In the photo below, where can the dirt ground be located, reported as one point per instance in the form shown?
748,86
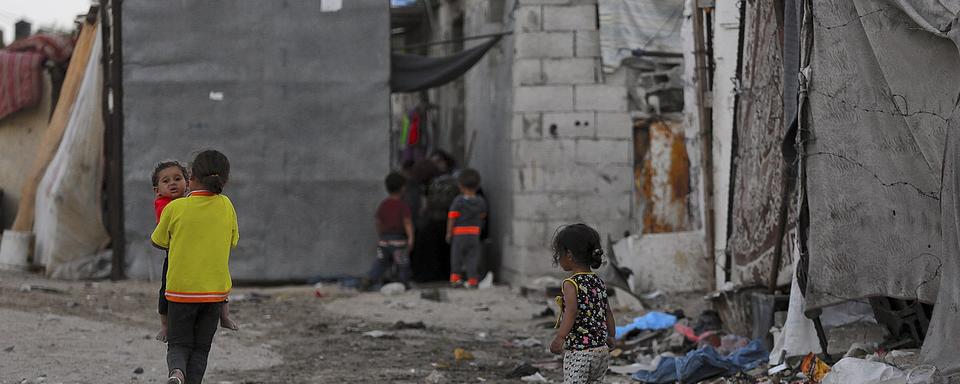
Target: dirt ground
82,332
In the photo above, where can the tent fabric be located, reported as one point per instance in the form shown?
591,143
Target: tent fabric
758,179
21,70
648,25
21,81
881,179
69,218
411,73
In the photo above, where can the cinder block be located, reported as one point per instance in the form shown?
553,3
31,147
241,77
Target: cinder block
604,151
528,233
587,44
557,152
608,214
540,45
528,72
616,179
570,71
569,18
530,18
544,206
565,178
569,125
527,126
612,98
614,125
543,98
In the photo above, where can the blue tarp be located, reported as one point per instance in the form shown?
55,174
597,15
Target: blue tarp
650,321
705,363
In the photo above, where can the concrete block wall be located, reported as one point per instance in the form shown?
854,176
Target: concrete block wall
571,135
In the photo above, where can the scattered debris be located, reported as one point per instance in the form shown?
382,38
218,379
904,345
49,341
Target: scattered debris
252,297
705,363
393,289
534,378
435,377
8,349
378,334
529,342
650,321
522,370
138,371
778,369
814,368
404,325
461,354
434,294
627,369
487,281
39,288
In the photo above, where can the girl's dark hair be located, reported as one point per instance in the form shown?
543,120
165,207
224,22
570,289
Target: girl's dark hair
583,243
212,169
155,177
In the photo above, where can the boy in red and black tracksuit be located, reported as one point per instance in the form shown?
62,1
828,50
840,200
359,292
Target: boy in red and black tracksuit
465,219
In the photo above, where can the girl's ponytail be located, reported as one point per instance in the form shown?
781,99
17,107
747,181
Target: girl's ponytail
212,169
213,183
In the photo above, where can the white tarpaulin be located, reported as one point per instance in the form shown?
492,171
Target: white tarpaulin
69,218
881,158
650,25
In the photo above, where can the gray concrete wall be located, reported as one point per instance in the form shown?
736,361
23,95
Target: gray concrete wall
304,120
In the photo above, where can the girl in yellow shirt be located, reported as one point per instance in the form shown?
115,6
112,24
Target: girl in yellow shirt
199,231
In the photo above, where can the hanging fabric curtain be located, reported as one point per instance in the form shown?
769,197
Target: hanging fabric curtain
411,73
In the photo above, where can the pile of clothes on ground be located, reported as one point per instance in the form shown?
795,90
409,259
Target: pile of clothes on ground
661,348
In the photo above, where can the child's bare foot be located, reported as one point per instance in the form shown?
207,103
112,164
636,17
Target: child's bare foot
225,322
162,335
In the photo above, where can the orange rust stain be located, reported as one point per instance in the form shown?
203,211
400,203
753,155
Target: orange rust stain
679,174
678,177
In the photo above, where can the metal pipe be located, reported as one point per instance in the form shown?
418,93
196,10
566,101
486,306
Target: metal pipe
451,41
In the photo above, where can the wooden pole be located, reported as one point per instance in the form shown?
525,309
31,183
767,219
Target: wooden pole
114,144
706,136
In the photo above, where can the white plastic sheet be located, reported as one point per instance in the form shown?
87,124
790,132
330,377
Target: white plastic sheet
69,218
652,25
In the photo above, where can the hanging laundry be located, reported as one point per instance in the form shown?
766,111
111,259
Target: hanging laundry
414,133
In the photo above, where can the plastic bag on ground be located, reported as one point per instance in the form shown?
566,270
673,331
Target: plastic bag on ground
852,371
650,321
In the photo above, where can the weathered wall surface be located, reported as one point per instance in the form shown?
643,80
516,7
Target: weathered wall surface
489,91
20,133
303,117
571,134
670,262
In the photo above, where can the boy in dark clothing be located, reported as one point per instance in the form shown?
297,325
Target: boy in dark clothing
395,228
465,219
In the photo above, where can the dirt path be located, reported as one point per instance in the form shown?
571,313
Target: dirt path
75,332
